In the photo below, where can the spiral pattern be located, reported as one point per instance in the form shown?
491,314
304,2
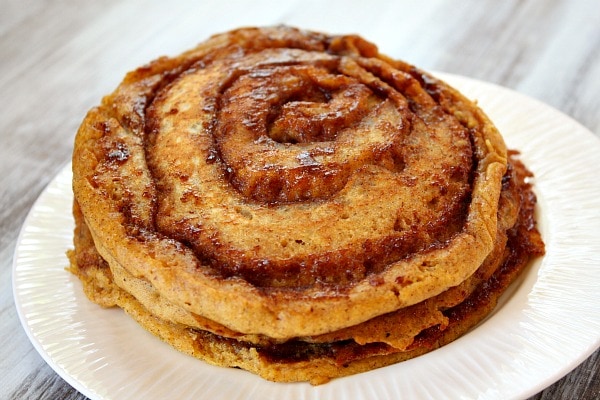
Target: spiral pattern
289,136
291,163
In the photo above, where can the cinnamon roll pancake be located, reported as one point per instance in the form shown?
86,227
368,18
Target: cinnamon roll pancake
297,204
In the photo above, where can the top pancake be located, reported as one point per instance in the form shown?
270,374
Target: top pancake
289,183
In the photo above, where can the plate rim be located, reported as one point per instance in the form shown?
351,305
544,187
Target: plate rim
454,80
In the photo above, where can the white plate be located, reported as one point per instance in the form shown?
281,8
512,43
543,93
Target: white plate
543,328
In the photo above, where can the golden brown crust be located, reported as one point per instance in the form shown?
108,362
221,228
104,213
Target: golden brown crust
167,198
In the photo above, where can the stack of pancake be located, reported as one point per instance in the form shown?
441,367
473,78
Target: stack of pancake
297,204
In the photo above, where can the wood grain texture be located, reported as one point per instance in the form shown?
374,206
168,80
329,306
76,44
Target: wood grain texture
59,57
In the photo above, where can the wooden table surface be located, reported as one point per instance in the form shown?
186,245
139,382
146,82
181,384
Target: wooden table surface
58,58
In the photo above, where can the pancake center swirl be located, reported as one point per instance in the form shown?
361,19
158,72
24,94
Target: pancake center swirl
289,133
293,168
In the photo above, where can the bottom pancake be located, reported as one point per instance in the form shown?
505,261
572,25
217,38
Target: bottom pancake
336,354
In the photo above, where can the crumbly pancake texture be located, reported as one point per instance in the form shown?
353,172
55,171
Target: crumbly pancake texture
296,204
